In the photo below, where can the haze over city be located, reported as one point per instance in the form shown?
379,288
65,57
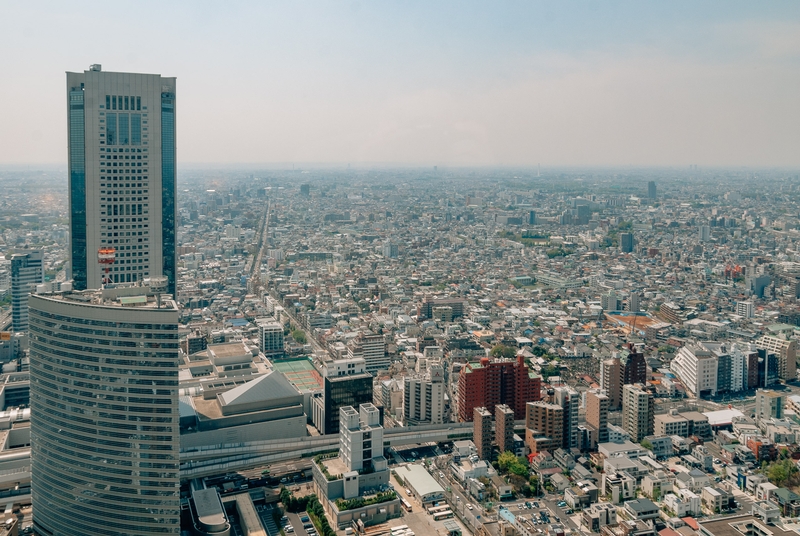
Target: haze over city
400,269
417,83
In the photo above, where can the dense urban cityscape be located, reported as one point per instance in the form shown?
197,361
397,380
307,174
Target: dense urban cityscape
400,268
404,350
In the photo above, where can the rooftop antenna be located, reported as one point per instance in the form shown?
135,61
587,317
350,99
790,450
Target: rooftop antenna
158,285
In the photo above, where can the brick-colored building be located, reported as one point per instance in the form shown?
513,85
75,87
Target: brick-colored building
489,383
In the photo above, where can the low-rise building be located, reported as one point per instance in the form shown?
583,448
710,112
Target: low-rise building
599,515
642,509
618,487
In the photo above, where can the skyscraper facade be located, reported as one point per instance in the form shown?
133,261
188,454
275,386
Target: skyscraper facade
121,131
651,189
626,242
26,272
105,440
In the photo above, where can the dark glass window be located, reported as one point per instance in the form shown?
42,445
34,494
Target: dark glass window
168,187
113,102
111,129
77,186
138,103
124,133
108,102
136,129
126,102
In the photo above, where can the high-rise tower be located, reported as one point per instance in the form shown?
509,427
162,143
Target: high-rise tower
121,129
105,440
26,272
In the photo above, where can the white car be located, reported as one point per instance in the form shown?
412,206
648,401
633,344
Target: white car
288,528
469,506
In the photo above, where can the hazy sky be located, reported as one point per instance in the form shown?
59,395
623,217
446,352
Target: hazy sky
424,83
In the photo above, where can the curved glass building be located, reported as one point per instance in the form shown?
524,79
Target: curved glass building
105,436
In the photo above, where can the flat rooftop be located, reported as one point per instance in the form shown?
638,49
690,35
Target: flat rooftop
300,372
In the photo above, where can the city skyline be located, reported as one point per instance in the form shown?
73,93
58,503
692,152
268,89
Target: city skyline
448,85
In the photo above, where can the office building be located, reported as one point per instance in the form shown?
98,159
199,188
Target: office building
633,302
504,427
544,427
704,233
626,242
569,400
270,337
425,309
482,432
372,347
347,383
745,309
597,404
611,376
696,367
635,367
26,272
609,301
638,412
488,383
768,366
423,397
104,412
390,250
121,132
532,217
769,404
651,189
359,471
786,352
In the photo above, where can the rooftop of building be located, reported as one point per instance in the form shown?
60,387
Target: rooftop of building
135,296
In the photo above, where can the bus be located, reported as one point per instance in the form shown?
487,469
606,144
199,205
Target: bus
447,514
406,505
436,509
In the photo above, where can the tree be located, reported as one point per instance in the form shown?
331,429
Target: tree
647,445
502,350
299,336
506,459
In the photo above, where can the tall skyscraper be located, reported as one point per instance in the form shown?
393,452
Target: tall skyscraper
105,440
651,189
121,130
626,242
26,272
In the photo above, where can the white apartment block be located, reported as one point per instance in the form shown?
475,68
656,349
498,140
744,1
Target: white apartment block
270,337
697,369
423,398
